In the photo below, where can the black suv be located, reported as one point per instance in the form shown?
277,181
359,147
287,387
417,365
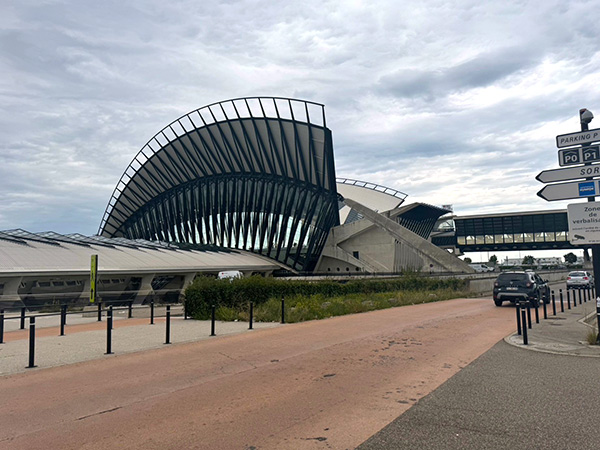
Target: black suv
519,285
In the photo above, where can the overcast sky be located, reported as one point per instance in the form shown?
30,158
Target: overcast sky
451,102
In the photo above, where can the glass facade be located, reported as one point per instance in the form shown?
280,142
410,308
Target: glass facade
528,231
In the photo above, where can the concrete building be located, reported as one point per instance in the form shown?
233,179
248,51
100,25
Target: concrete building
247,184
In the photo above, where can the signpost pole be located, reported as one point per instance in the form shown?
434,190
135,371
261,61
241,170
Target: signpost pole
585,119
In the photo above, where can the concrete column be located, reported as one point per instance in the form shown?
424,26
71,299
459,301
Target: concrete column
10,297
188,278
145,289
85,293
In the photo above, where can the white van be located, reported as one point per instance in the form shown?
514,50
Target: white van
481,268
230,275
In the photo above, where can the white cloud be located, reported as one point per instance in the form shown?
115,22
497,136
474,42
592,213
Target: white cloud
448,101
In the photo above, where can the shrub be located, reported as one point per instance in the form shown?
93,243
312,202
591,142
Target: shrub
236,294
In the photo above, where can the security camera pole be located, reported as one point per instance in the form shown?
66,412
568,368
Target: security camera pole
585,117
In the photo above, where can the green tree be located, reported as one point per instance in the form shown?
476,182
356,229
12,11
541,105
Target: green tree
570,258
493,260
528,260
468,260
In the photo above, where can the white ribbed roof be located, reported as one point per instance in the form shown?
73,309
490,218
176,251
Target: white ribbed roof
29,253
378,198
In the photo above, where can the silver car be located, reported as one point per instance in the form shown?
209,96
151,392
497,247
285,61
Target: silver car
579,279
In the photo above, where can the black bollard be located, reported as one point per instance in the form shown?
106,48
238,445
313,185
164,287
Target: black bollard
251,315
2,326
562,304
537,313
99,311
109,319
130,310
568,299
579,295
518,308
63,315
587,294
152,312
185,314
598,319
31,343
22,318
553,303
525,341
282,310
168,337
212,321
544,301
529,315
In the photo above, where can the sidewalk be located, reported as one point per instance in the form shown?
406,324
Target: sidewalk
563,333
85,338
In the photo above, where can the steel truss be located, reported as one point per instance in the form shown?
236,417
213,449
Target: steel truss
254,174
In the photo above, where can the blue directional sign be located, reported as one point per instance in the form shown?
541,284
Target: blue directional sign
587,189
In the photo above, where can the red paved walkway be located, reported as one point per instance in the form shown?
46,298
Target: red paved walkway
321,384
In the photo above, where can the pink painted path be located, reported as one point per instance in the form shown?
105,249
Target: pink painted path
326,384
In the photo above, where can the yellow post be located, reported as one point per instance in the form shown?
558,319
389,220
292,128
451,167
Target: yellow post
93,277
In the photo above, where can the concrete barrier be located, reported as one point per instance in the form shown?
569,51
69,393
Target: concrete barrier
484,283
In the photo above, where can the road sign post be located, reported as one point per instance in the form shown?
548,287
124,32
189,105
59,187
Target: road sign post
587,136
584,218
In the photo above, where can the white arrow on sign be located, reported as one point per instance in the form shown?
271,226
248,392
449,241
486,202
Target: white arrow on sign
568,173
580,137
566,191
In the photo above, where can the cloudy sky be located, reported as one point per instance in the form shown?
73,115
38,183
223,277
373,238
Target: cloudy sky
452,102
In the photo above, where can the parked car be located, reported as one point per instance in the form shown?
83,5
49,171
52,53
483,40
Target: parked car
520,285
579,279
481,268
230,275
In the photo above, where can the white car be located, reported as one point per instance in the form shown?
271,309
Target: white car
481,268
230,275
579,279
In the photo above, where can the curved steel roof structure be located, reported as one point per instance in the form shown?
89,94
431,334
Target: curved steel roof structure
251,173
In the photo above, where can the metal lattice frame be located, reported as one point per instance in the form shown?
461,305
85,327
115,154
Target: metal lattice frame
253,173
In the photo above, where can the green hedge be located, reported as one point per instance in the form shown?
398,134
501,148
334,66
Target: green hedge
236,294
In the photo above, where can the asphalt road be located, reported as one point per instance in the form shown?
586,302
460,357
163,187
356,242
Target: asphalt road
507,398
